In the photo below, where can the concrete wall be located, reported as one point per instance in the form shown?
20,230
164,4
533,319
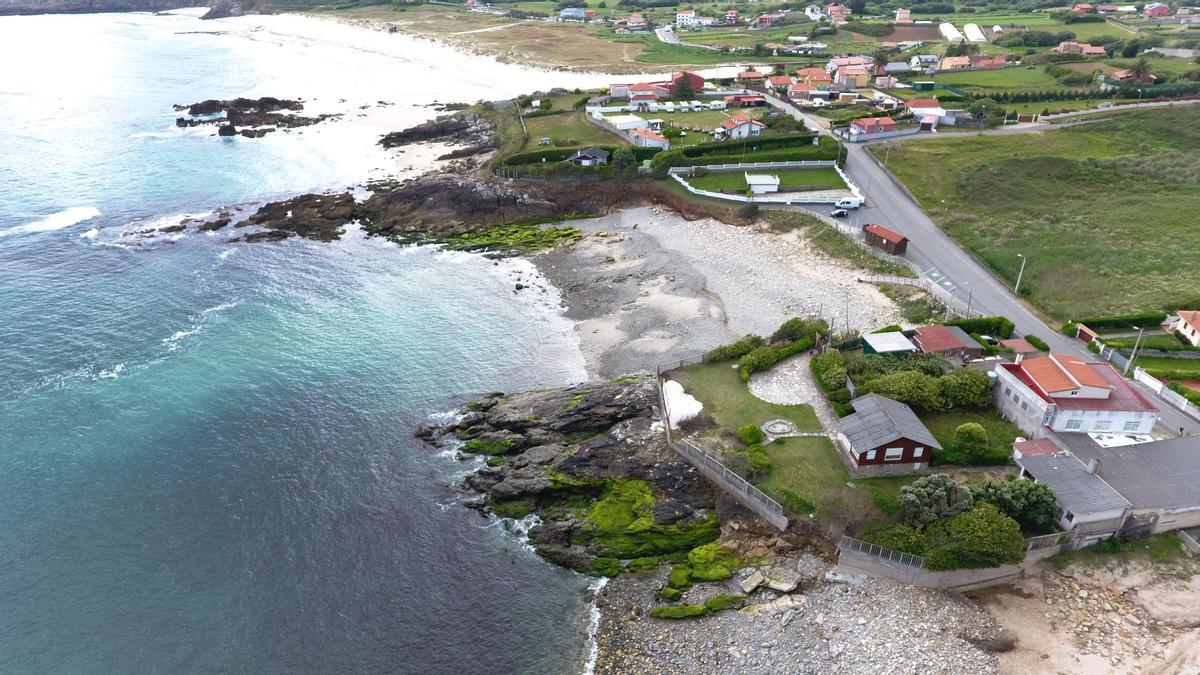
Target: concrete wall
1107,420
1016,402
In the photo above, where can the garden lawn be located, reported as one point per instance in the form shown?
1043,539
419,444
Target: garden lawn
1105,211
568,126
807,474
1001,432
813,179
1004,79
729,401
1153,364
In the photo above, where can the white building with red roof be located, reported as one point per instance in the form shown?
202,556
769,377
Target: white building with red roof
645,138
1187,324
739,126
1062,392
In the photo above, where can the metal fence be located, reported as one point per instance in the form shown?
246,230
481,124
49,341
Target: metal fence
881,553
1048,540
739,488
955,305
1189,538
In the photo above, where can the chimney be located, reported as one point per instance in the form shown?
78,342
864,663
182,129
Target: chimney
1019,359
1092,465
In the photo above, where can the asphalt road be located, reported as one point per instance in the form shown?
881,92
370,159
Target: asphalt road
948,265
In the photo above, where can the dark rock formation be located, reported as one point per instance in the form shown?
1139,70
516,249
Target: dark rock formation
265,235
227,130
222,221
222,9
313,216
248,112
474,133
173,228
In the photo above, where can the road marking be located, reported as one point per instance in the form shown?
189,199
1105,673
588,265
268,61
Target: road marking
940,279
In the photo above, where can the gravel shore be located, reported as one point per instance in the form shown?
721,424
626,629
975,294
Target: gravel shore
647,287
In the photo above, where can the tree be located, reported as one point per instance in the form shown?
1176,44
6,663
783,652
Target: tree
965,388
931,498
623,159
971,436
980,537
984,108
858,6
1033,505
908,386
881,57
683,88
894,535
962,49
798,329
1140,70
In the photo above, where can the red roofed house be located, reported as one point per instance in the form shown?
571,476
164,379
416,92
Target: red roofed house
853,77
815,77
1127,77
925,106
949,340
732,16
764,20
838,14
881,237
689,80
750,77
740,126
903,16
800,91
954,63
1155,10
780,83
872,125
644,138
989,62
636,21
1073,47
843,61
1187,324
1065,393
1082,8
745,100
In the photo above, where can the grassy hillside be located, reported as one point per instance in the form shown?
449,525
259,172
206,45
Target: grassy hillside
1105,211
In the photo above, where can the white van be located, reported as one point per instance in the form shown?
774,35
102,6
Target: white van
849,203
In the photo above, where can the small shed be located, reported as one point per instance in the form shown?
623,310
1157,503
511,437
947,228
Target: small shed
589,157
885,431
887,343
924,85
762,183
950,340
888,240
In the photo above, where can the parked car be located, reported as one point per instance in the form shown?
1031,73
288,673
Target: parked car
849,203
839,213
989,339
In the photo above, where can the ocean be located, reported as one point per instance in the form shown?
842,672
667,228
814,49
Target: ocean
206,451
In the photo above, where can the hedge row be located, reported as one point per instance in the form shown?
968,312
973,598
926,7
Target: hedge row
1146,319
995,326
559,154
736,146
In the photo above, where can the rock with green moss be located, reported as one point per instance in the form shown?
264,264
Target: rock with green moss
717,603
712,562
670,594
680,576
643,564
679,611
514,508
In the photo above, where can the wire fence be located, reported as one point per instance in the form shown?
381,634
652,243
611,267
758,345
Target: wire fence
881,553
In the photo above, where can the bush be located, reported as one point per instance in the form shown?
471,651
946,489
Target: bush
798,329
1069,329
981,537
971,435
760,462
1033,505
735,147
679,611
748,211
895,535
735,350
750,434
764,358
717,603
908,386
1145,319
965,388
1038,343
995,326
931,498
888,329
829,369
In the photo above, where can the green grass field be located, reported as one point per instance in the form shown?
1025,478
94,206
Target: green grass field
1013,78
730,402
1105,211
826,179
1190,367
1001,432
568,126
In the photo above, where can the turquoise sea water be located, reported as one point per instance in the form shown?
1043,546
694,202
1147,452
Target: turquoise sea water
206,452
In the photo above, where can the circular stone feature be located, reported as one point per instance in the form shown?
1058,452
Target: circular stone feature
779,427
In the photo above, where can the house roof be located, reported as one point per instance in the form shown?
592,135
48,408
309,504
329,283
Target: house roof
878,420
897,67
802,87
938,338
852,70
739,120
1078,490
749,74
884,343
1019,345
779,80
761,179
842,61
646,133
590,153
1163,474
956,61
814,74
922,103
929,119
644,86
1063,372
868,122
881,231
1122,395
686,12
1191,317
1037,446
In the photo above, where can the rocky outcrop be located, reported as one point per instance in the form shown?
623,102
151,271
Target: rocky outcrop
475,134
222,9
247,112
313,216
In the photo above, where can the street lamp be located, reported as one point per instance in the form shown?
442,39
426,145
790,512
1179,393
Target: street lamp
1017,288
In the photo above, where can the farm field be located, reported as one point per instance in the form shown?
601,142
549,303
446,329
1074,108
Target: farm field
821,179
1014,78
1102,210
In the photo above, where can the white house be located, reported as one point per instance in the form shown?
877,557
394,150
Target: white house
645,138
686,18
762,183
814,13
627,122
1187,324
740,126
1090,506
925,106
1061,392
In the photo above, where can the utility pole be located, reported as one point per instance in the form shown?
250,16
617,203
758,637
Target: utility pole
970,296
1017,288
1133,355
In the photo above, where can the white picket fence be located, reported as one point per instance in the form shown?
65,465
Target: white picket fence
787,199
1175,399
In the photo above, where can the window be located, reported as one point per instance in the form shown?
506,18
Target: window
1131,426
1074,424
1008,391
1103,425
870,455
893,454
1070,517
1024,405
918,453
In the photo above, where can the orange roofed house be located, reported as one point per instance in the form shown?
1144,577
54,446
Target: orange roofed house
1066,393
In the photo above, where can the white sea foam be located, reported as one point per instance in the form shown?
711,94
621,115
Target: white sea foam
221,307
112,373
226,253
91,234
593,651
175,341
62,219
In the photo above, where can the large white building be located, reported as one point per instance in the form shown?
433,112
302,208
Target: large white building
686,18
1061,393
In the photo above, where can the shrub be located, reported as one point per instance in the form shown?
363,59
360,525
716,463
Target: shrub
748,211
963,388
679,611
717,603
735,350
931,498
895,535
1069,329
670,594
1033,505
750,434
829,369
981,537
758,360
760,462
798,329
1038,343
971,435
736,146
1144,319
908,386
888,329
996,326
